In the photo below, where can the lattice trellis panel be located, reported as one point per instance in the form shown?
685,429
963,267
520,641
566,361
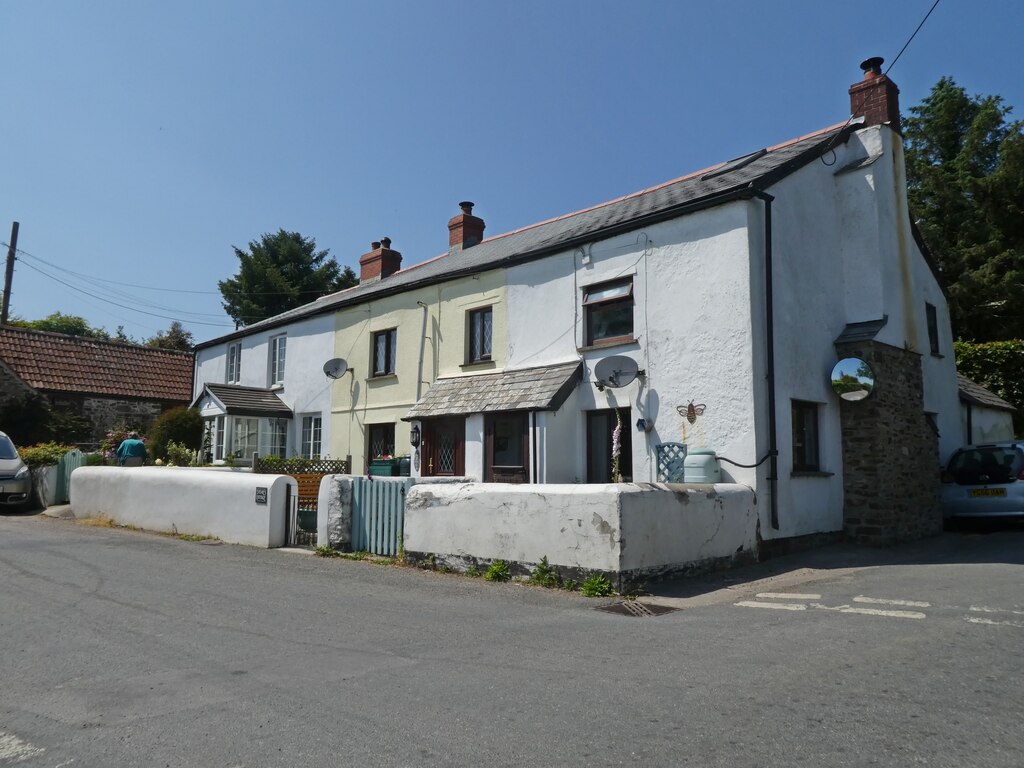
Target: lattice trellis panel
671,457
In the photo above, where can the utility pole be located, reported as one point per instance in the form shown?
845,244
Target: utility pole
9,273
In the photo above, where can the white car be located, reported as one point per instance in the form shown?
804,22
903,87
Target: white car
984,481
15,477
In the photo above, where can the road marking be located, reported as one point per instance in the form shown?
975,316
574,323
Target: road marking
879,612
992,622
15,750
788,596
779,606
837,609
884,601
986,609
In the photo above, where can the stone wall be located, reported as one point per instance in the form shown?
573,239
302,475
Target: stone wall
105,413
11,386
890,452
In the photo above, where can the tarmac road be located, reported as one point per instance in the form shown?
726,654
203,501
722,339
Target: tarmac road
120,648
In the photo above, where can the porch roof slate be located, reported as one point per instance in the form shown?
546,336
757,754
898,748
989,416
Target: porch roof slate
864,331
248,401
527,389
702,188
972,392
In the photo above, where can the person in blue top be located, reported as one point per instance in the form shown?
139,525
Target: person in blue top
132,451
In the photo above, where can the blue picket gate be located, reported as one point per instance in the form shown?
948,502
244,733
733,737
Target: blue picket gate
378,513
71,461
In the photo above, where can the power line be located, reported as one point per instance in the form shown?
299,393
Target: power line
831,143
144,287
123,306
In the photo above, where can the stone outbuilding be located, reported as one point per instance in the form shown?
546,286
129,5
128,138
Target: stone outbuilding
108,383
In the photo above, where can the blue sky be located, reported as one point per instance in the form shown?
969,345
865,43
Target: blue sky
142,140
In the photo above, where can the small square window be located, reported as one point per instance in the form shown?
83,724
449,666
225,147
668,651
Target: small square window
481,324
608,310
380,441
805,437
385,350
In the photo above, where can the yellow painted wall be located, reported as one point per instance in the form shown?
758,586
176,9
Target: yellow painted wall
358,398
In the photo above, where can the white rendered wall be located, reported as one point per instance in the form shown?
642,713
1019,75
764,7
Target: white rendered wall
619,527
988,425
306,390
692,329
843,253
218,504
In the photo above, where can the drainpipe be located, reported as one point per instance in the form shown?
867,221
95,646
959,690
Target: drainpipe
533,440
773,447
423,346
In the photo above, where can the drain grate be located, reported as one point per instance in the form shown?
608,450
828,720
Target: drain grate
636,609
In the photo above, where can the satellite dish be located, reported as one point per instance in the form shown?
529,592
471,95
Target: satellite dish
336,368
616,371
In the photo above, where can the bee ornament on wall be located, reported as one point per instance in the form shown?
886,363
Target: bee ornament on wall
690,412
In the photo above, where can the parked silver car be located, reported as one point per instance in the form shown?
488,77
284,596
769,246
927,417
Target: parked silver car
984,481
15,477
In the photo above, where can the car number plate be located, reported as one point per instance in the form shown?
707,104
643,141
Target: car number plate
988,492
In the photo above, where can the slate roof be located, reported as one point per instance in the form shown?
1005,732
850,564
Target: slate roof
702,189
248,401
972,392
527,389
56,362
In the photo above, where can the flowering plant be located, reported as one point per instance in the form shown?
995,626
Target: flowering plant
617,449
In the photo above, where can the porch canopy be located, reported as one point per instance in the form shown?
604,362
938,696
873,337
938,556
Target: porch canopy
527,389
235,400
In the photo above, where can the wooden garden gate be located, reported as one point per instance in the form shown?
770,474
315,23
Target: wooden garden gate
71,461
378,513
307,473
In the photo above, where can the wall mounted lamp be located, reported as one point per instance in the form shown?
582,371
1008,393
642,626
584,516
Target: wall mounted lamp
414,436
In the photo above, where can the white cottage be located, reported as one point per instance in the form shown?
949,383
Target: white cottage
705,314
263,390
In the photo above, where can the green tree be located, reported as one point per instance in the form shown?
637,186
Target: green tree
58,322
179,425
280,272
965,176
176,337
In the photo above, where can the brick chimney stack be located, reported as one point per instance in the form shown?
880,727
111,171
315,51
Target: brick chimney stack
465,230
380,262
876,97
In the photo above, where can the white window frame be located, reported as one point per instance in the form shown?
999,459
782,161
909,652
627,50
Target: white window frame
251,427
311,436
278,348
234,364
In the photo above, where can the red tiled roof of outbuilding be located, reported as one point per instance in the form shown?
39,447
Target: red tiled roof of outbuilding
56,362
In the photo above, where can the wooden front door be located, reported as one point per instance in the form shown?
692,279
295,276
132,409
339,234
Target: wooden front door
506,448
444,447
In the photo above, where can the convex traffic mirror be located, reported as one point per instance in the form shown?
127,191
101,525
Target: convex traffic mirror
853,379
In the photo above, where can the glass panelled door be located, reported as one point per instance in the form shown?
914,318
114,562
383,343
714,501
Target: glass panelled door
444,447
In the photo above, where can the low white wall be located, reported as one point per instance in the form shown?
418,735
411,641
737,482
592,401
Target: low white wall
220,504
618,528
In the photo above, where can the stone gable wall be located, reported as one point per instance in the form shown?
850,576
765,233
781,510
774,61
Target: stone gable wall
890,452
11,386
